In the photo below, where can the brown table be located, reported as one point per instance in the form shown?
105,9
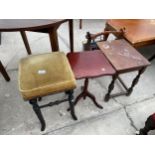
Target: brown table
124,58
86,65
138,32
37,25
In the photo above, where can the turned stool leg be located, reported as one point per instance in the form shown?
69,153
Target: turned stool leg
71,103
149,125
38,112
110,88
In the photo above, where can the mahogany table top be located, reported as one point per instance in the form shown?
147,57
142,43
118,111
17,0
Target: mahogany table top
90,64
122,55
27,24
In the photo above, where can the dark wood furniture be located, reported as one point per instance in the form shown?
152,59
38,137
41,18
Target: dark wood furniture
37,25
80,23
138,32
4,73
149,125
86,65
124,58
44,77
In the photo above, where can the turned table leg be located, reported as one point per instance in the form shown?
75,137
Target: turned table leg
110,88
38,112
135,81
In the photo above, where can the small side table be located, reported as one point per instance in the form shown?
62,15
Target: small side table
124,58
89,64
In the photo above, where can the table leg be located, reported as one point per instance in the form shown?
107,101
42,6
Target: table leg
26,43
54,38
0,37
4,73
71,35
80,24
85,93
135,81
152,58
110,88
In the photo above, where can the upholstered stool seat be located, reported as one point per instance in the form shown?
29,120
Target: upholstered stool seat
44,74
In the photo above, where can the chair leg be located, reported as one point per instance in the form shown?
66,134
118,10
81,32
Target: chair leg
71,103
149,125
38,112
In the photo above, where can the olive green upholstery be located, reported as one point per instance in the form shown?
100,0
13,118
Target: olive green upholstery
44,74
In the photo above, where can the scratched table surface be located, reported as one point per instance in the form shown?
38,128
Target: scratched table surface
122,55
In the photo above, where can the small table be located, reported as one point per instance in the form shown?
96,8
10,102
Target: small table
124,58
89,64
138,32
37,25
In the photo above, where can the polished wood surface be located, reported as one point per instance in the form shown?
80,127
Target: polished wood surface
38,25
122,55
138,32
28,24
90,64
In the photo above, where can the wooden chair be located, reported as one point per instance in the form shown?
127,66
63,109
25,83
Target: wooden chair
46,74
